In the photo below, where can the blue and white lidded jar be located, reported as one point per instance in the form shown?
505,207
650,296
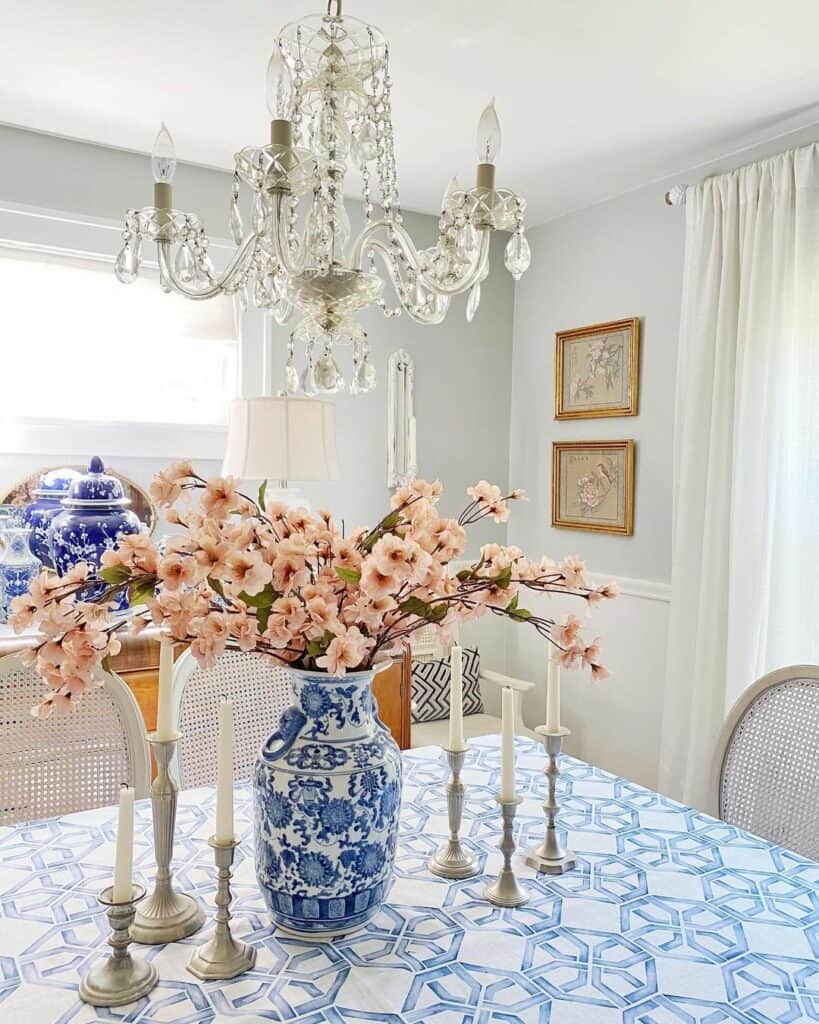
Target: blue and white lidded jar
18,567
51,489
94,516
328,795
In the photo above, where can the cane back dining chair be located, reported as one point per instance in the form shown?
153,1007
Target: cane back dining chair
259,690
767,764
69,762
426,645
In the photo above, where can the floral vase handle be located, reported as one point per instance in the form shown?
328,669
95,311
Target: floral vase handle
279,742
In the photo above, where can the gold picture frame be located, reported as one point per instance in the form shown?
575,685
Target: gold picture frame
597,370
593,486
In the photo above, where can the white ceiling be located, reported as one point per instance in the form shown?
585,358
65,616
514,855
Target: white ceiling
595,96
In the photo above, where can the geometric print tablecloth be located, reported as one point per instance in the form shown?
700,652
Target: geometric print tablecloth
670,916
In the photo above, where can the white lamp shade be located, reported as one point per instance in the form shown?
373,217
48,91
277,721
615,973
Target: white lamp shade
281,439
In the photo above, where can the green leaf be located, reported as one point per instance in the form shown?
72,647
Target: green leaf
391,521
520,614
106,664
217,586
504,577
264,599
427,612
414,606
262,493
513,603
262,618
347,575
115,574
436,613
139,593
315,648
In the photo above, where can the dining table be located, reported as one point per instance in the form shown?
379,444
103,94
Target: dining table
669,915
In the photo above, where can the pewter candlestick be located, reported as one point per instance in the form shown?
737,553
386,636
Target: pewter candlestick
550,856
222,956
122,978
167,915
452,860
505,891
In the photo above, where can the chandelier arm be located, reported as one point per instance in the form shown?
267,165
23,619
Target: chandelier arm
377,246
218,286
400,234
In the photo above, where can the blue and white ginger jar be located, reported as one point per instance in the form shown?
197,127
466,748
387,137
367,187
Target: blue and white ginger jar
18,567
327,792
51,489
93,519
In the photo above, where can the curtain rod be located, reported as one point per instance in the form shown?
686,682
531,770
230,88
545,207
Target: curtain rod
675,196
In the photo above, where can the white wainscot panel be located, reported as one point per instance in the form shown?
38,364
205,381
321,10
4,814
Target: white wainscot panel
615,723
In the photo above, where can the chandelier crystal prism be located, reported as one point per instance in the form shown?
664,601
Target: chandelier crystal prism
328,92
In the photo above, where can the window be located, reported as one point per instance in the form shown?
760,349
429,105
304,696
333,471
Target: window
80,346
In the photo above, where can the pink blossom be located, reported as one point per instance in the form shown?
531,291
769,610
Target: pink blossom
164,490
566,633
174,571
246,571
484,492
573,570
219,497
599,672
345,651
375,583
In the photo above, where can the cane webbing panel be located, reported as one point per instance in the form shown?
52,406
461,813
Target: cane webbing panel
770,772
64,763
260,692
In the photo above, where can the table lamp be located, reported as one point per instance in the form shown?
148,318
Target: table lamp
281,439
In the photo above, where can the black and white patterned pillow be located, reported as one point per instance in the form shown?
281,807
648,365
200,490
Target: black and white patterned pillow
430,687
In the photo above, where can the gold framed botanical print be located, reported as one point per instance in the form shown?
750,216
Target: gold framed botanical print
593,486
597,370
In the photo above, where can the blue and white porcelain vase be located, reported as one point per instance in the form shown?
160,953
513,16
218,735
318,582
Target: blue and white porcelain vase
18,566
51,489
94,517
327,799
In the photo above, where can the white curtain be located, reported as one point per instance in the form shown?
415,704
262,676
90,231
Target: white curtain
745,561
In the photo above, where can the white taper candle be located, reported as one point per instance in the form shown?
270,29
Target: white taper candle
224,774
553,697
124,858
164,704
508,744
456,700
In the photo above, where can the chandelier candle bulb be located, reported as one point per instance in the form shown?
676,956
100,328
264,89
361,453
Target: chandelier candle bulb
164,708
456,700
224,775
124,857
553,698
508,744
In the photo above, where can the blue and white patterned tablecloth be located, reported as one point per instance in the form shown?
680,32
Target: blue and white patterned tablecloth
669,917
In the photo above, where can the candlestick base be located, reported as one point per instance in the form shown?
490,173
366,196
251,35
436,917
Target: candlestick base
121,978
167,916
505,890
452,860
222,956
550,857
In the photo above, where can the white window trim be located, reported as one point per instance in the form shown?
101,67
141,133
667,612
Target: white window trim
50,232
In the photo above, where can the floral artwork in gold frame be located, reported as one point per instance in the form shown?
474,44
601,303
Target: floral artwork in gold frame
593,486
597,370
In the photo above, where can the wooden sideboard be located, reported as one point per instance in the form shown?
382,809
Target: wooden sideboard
138,664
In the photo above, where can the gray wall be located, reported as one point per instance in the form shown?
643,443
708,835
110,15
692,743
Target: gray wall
463,371
620,258
617,259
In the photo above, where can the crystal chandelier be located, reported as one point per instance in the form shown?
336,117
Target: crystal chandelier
328,93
